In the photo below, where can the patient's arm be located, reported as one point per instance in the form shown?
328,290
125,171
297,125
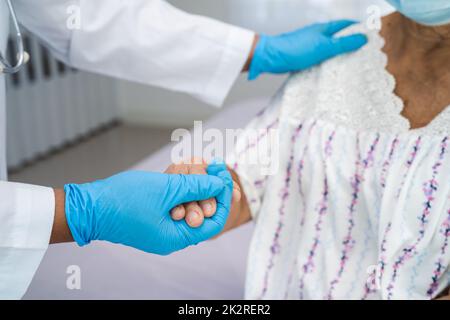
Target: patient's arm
196,212
240,210
444,295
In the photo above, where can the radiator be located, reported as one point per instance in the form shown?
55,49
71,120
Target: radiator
50,106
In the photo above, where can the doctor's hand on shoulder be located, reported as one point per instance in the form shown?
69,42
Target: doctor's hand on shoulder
133,209
301,49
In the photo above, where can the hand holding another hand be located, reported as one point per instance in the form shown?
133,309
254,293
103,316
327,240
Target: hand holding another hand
133,208
195,212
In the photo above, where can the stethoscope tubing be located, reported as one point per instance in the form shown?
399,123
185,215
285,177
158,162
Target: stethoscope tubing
5,66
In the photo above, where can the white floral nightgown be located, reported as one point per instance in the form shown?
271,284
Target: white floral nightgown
359,207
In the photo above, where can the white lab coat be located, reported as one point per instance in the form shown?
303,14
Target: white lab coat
148,41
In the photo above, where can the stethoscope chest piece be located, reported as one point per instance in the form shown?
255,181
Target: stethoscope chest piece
22,56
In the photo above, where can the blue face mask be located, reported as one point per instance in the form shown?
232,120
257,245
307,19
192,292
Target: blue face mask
427,12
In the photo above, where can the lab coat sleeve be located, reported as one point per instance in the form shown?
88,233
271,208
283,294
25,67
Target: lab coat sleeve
26,215
146,41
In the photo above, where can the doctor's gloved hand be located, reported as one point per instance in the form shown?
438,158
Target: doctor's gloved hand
133,209
302,49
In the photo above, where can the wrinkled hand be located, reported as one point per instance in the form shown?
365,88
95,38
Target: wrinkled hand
303,48
195,212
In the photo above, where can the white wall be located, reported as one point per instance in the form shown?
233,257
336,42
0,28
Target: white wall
156,107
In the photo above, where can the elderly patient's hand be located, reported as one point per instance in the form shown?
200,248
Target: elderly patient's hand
196,212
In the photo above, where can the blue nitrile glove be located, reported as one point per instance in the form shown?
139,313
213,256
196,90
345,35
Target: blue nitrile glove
302,49
133,208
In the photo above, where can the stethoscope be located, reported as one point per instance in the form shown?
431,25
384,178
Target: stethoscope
22,56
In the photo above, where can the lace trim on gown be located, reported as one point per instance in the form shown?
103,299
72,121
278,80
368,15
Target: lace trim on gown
355,91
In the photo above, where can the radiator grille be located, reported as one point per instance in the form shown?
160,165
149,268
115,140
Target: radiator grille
50,106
